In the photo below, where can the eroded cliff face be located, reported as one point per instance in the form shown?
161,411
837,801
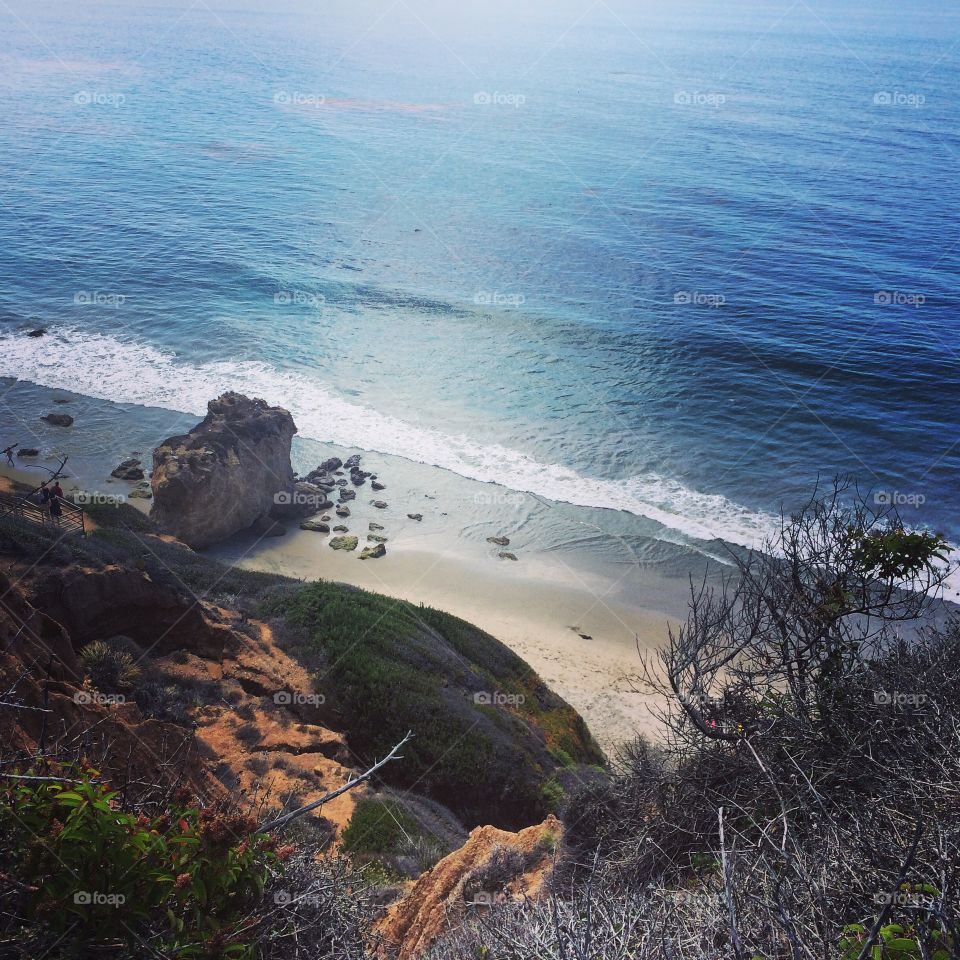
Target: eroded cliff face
218,705
226,473
492,865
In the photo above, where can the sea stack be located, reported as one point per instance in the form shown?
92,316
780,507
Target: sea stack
227,473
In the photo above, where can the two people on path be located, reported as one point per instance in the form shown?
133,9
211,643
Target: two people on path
51,498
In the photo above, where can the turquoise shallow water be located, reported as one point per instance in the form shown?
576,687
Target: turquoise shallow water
677,263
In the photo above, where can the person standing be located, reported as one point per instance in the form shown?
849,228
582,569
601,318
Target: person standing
9,452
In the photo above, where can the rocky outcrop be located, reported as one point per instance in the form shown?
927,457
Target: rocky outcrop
59,419
491,866
227,473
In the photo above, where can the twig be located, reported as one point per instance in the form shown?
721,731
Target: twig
356,781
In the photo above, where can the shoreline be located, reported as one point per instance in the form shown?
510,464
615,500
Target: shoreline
583,643
580,629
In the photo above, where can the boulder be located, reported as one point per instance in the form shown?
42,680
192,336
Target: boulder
316,525
351,462
373,553
346,494
223,476
344,543
340,528
59,419
343,510
128,470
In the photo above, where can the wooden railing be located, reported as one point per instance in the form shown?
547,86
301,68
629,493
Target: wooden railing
71,518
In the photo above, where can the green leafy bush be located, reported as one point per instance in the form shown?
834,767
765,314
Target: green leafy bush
185,880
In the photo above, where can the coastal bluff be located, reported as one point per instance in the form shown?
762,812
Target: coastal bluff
225,474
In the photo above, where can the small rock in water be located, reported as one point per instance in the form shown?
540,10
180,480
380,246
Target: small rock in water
375,526
28,452
376,538
377,486
507,556
353,461
39,332
379,504
357,480
371,553
415,516
346,494
499,541
318,526
128,470
328,466
340,528
343,510
58,419
61,399
325,517
344,543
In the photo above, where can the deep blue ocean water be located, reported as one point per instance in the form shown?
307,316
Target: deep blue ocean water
678,260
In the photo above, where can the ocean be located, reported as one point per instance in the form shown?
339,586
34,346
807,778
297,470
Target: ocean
627,277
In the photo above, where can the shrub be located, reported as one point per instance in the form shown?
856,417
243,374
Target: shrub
110,670
186,880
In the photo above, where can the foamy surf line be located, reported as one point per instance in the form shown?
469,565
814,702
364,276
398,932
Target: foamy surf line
131,372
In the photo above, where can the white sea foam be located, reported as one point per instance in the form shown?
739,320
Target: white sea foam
108,368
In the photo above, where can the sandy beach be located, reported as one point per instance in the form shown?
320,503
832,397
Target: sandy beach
578,628
574,629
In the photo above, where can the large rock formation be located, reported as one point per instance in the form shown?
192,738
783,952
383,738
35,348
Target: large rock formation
227,473
492,866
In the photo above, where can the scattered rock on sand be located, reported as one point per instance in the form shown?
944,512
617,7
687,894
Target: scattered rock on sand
372,553
344,543
376,485
379,504
499,541
375,526
128,470
28,452
141,494
340,528
343,510
58,419
376,538
415,516
507,556
318,526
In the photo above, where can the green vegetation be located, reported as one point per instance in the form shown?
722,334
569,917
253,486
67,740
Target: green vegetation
378,827
389,667
110,670
184,879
